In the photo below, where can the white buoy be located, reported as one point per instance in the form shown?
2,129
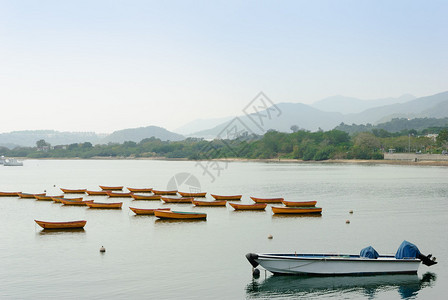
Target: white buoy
347,221
270,237
102,249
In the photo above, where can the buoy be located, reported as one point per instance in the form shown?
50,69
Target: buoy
102,249
347,222
351,211
270,237
54,185
256,273
45,191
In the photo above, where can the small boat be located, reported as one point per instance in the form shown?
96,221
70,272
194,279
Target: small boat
220,197
47,198
368,262
61,225
267,200
146,197
140,190
111,188
12,162
115,194
179,215
196,195
116,205
177,199
157,192
256,206
9,194
30,196
75,191
74,202
58,199
299,203
146,211
296,210
97,193
209,203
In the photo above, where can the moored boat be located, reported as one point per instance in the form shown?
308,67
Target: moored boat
116,205
30,196
197,195
9,194
140,190
369,262
61,225
209,203
256,206
222,197
117,194
179,215
296,210
267,200
58,199
146,197
47,198
111,188
158,192
177,199
299,203
74,202
146,211
96,193
73,191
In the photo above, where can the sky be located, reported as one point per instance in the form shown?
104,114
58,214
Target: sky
109,65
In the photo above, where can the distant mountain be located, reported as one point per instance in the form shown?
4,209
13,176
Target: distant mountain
138,134
200,124
348,105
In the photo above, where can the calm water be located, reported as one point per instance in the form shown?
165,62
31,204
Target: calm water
149,258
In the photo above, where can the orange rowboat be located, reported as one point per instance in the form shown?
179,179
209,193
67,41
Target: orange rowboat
146,211
58,199
219,197
296,210
256,206
209,203
69,191
156,192
177,200
116,205
267,200
137,190
179,215
9,194
198,195
146,197
61,225
111,188
29,196
299,204
47,198
115,194
74,202
97,193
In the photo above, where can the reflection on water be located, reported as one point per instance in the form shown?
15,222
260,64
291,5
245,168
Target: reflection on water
62,231
314,287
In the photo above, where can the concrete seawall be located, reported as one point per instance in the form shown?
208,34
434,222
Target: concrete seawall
415,157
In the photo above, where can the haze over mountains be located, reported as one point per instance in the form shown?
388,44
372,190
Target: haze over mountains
325,114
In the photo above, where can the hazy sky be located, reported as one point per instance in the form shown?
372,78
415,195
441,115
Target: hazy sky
108,65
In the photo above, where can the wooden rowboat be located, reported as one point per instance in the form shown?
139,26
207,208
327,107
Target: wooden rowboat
9,194
267,200
30,196
58,199
61,225
138,190
111,188
146,211
115,194
177,199
296,210
299,203
198,195
97,193
220,197
156,192
70,191
74,202
116,205
146,197
179,215
256,206
209,203
47,198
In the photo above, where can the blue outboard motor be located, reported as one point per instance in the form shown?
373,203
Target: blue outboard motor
409,250
369,252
